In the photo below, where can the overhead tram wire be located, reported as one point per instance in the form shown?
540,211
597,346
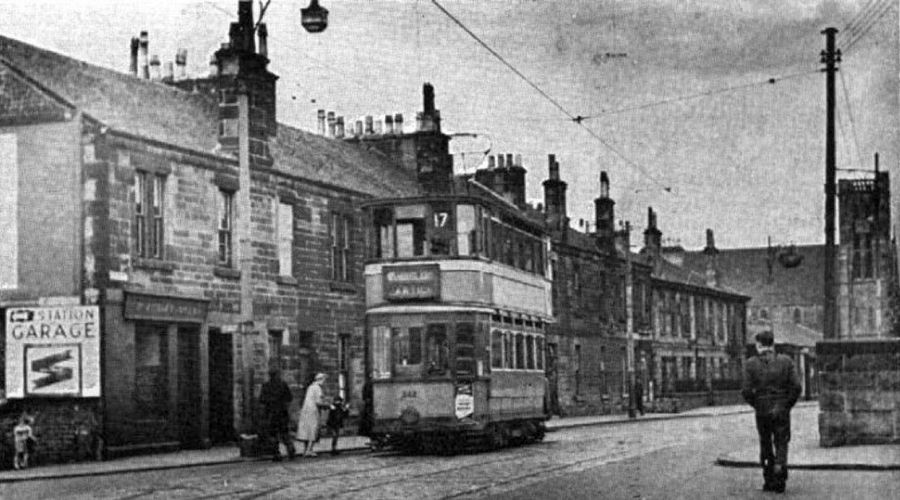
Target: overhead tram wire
865,30
576,119
859,19
687,97
852,121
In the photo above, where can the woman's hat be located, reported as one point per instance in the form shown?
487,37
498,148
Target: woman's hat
320,376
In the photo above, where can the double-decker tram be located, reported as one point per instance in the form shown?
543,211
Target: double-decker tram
457,299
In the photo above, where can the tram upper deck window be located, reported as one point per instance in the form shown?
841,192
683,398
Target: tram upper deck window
410,230
442,228
437,350
384,232
466,235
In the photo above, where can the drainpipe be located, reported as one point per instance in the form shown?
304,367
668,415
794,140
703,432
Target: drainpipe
243,254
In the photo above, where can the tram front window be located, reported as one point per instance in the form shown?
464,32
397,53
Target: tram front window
437,351
407,351
410,231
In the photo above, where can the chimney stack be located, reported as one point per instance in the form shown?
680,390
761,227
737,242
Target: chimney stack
133,61
398,124
320,121
331,124
263,33
604,213
388,124
144,43
555,196
652,238
155,72
168,72
711,252
181,64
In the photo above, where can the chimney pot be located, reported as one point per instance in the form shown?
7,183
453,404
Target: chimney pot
331,124
181,63
388,124
428,99
168,72
133,61
554,167
491,163
509,160
213,65
518,160
144,42
154,67
398,123
339,127
369,125
501,161
604,185
710,239
320,120
263,33
359,128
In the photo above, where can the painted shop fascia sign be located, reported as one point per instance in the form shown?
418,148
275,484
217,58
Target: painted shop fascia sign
52,351
402,283
163,308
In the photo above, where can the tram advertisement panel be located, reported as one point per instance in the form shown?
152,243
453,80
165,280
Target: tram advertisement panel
53,351
465,401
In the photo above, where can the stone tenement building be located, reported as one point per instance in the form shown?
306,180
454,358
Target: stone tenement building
180,276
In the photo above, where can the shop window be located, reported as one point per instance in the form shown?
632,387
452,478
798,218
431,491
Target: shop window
496,349
151,381
410,231
285,239
148,213
407,350
341,264
437,350
381,352
226,226
465,349
466,235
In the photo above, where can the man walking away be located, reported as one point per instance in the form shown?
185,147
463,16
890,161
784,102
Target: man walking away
771,387
275,398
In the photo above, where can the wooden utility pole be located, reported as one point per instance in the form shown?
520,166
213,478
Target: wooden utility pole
830,57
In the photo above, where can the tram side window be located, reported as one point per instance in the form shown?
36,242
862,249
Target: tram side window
508,352
407,343
437,350
381,352
410,231
529,354
384,233
497,349
540,352
465,349
520,351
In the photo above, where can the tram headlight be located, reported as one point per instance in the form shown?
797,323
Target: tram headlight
409,416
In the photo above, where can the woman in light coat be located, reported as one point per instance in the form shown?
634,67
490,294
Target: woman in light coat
308,424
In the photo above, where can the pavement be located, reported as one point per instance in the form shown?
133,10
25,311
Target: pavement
805,453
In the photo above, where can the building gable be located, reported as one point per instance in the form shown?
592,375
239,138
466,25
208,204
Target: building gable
24,103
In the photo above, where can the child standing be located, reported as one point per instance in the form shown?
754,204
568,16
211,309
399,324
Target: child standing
24,441
337,413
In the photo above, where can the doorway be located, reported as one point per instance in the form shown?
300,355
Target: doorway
221,387
188,401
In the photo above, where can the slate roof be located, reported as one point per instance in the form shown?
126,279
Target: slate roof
745,270
154,110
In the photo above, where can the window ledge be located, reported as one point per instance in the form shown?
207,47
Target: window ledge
286,280
343,286
227,272
154,264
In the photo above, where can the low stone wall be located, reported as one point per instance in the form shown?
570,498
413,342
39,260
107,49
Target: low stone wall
683,401
66,429
859,391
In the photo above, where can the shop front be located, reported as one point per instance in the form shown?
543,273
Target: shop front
156,383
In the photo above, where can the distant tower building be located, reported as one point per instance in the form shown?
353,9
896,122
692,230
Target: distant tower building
865,257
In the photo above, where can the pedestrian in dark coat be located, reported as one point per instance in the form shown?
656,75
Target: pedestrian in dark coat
771,387
275,398
639,396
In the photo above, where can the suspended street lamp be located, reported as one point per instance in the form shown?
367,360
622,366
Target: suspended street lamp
314,18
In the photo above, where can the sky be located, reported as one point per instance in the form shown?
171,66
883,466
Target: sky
746,159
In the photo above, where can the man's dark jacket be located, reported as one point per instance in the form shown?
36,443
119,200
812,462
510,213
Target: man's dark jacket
770,385
275,398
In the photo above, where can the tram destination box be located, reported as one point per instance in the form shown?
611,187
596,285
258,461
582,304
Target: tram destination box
404,283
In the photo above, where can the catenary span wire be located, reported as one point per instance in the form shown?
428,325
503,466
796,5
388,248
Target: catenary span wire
852,121
888,7
860,18
687,97
550,99
873,20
